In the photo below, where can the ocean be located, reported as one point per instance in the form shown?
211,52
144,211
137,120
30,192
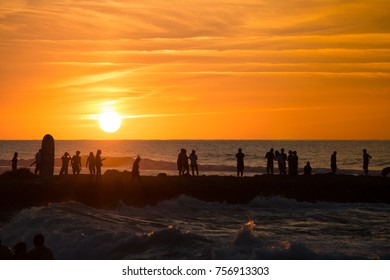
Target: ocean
187,228
215,157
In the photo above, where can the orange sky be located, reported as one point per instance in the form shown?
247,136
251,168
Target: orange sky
196,69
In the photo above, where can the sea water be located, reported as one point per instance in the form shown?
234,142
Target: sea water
215,157
187,228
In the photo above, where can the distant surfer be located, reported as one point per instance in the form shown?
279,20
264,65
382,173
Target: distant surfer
240,163
366,159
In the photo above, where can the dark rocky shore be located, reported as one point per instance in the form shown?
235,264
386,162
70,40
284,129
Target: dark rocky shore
18,191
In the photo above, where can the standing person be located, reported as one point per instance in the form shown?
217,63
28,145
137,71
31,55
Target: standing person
65,164
282,162
366,159
333,162
76,163
180,162
186,165
15,162
99,163
135,174
194,163
270,156
91,163
290,160
295,163
240,163
37,162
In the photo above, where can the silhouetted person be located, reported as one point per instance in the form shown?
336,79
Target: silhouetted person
194,163
240,163
40,252
366,159
282,162
186,164
135,174
91,163
15,162
5,252
76,163
65,163
290,160
99,162
180,162
270,156
37,162
333,162
295,163
20,250
307,169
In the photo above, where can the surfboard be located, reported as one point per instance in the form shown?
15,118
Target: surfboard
48,149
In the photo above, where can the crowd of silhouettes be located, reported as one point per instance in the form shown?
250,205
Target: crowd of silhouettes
287,164
20,252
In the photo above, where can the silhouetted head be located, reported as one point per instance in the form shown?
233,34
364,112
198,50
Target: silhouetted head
99,152
239,150
91,154
138,159
282,150
364,151
295,153
289,152
66,154
308,163
182,151
272,150
193,152
39,240
15,154
335,153
78,152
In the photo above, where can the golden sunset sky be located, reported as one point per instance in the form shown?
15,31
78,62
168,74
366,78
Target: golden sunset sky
195,69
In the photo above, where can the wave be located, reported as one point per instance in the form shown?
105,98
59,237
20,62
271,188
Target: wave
173,229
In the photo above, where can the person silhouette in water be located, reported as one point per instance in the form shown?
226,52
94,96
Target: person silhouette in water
240,163
40,252
65,163
333,162
76,163
99,162
91,163
366,159
15,162
135,174
194,163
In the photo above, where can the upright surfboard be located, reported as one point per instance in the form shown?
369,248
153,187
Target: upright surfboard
47,165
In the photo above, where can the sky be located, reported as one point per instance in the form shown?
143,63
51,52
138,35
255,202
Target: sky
195,69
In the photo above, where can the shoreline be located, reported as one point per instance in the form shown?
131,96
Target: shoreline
18,191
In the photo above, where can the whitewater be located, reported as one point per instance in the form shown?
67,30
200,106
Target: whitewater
186,228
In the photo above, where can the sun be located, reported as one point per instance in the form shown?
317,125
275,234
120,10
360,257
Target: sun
110,122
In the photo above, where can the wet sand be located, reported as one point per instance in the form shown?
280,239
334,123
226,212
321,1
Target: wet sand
18,191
